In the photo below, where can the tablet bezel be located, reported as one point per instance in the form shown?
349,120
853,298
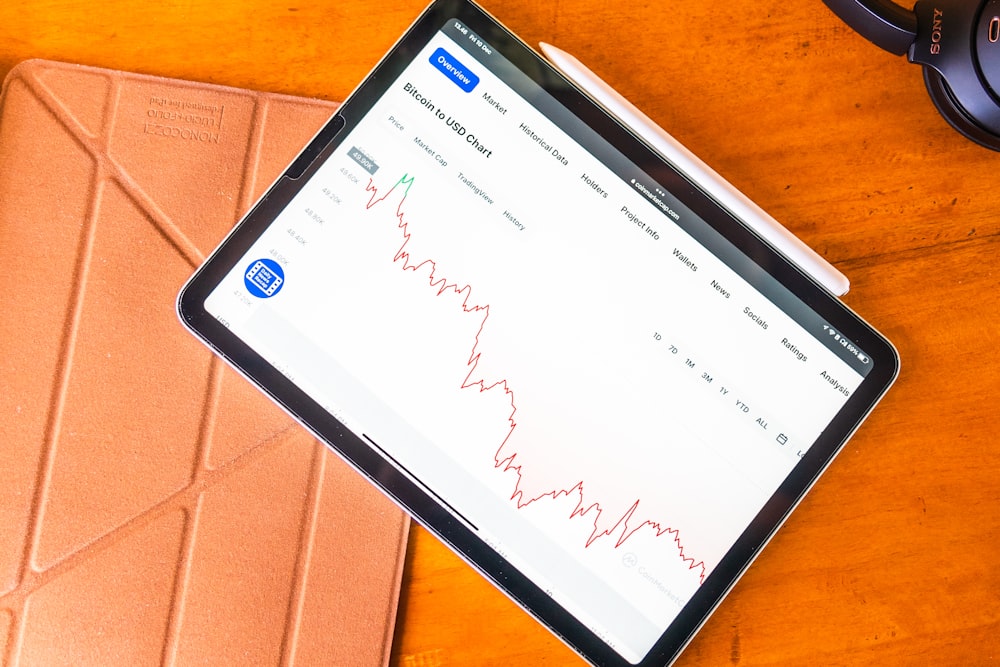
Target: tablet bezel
423,505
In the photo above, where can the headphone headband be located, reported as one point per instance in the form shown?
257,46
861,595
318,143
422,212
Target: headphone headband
885,24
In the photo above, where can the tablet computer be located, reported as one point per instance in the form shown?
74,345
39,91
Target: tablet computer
553,348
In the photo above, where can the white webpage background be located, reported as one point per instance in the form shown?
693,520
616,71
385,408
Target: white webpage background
572,373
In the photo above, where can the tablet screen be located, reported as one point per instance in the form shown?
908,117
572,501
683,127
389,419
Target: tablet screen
549,346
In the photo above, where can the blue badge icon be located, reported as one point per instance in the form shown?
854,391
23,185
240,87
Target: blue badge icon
264,278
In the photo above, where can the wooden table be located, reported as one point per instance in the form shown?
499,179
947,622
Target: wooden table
893,558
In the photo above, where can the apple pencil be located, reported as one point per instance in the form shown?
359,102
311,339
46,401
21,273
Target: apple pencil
676,153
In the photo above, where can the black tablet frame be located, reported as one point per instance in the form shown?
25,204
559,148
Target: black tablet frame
426,508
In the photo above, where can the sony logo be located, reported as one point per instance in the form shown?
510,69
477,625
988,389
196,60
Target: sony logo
936,26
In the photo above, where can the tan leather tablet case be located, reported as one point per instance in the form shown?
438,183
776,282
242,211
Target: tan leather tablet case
154,508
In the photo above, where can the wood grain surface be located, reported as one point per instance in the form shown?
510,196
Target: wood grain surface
893,557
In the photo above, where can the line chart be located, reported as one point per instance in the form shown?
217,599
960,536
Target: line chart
505,459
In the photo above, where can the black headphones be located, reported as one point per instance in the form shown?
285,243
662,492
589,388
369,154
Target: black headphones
958,44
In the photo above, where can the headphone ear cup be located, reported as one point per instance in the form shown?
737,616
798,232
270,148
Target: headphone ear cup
956,116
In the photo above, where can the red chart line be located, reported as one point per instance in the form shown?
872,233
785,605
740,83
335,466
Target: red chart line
509,462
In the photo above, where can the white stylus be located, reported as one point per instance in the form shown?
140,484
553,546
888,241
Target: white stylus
722,190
